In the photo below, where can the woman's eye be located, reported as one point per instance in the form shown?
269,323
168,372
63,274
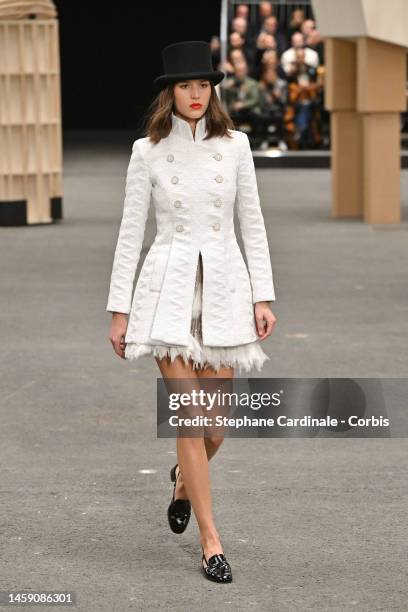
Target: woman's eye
184,85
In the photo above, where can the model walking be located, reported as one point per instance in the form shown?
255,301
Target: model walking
195,308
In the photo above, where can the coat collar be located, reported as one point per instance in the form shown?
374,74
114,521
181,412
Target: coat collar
182,128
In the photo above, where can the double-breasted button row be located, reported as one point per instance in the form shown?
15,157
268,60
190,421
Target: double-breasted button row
217,156
218,178
216,227
178,204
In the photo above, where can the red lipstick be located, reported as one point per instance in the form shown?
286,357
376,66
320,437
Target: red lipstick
195,105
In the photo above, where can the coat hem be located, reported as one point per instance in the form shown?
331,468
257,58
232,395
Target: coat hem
244,357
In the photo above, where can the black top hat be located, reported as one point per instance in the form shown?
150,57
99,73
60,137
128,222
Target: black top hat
190,59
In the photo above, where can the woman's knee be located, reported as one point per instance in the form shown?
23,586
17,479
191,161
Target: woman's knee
215,441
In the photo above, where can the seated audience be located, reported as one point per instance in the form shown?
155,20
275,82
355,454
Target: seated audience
264,42
270,26
303,98
277,90
314,41
243,101
288,57
295,23
273,93
237,41
269,57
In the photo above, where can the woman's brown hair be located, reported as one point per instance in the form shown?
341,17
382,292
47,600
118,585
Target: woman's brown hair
158,117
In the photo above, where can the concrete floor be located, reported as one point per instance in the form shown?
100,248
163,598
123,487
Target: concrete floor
307,524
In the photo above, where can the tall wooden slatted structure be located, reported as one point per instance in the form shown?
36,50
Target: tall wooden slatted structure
30,114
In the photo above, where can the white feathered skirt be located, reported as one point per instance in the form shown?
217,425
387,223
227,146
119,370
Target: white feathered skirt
243,357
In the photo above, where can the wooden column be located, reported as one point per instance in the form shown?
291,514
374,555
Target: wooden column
30,122
381,74
346,128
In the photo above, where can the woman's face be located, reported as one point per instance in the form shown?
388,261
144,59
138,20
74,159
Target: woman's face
191,98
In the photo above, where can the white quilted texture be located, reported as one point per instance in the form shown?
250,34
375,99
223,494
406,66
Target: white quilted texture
187,178
243,357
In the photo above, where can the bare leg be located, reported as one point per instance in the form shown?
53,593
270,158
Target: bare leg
209,536
193,455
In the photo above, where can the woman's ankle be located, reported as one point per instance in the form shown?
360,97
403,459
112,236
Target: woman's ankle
210,537
180,492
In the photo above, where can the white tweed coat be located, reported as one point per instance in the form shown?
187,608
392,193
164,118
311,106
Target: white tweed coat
194,185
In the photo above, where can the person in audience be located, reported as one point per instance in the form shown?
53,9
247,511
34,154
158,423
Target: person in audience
215,47
314,41
273,94
303,92
265,9
289,56
243,101
237,41
239,24
269,57
234,56
307,26
264,42
270,26
242,10
295,23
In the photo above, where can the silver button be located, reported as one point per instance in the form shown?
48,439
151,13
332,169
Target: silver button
179,228
216,226
170,157
174,179
218,203
177,203
218,156
219,178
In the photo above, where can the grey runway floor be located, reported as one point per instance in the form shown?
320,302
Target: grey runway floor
307,524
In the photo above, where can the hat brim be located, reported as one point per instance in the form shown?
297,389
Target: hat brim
163,80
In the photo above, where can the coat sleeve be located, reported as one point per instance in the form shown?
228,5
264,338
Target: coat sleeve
131,232
253,227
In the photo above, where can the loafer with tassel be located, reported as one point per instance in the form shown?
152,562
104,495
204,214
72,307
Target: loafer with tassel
179,510
217,568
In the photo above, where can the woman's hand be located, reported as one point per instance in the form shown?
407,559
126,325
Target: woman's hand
265,319
117,332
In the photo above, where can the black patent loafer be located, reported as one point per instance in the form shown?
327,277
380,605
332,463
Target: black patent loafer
217,568
179,510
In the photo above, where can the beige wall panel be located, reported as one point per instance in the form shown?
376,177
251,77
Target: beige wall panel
340,19
386,20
